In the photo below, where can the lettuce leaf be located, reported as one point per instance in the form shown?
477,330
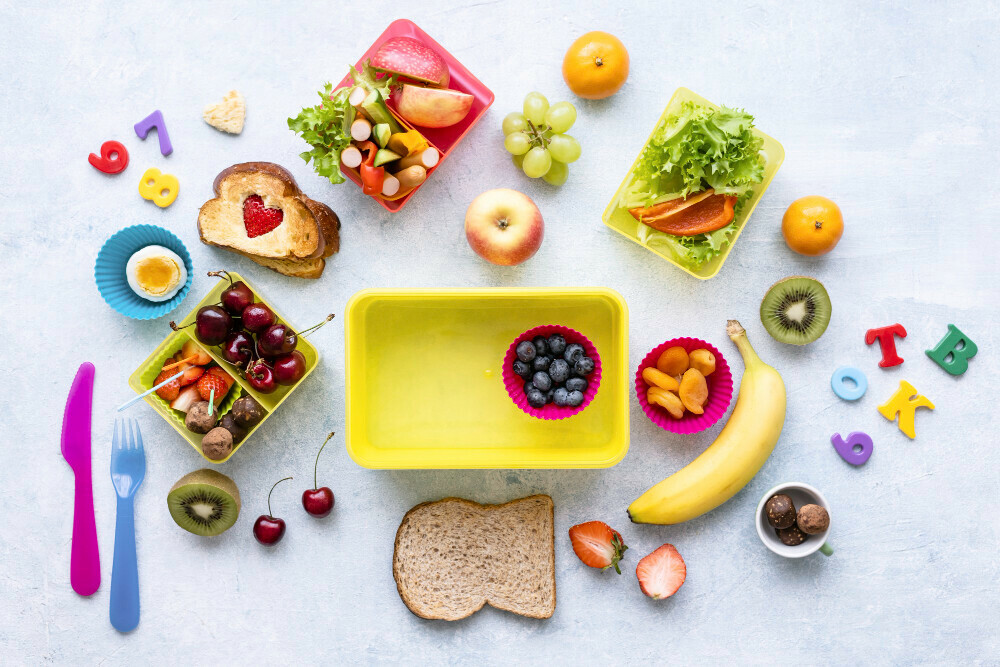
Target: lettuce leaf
696,149
327,128
368,78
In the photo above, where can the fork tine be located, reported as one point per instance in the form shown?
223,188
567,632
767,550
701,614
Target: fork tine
131,435
115,442
138,434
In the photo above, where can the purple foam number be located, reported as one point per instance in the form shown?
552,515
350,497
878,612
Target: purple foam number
846,448
155,119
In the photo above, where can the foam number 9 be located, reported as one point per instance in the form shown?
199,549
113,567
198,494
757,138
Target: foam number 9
161,189
113,158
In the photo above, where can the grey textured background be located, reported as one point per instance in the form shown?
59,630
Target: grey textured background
888,108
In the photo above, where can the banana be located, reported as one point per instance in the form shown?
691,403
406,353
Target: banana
741,449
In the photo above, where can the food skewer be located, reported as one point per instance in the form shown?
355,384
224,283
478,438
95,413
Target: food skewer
149,391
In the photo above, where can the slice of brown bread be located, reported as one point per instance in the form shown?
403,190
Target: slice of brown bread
308,230
300,268
453,556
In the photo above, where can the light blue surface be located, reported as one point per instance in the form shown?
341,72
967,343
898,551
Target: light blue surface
890,109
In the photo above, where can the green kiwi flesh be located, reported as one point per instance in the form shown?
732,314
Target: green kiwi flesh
204,502
796,310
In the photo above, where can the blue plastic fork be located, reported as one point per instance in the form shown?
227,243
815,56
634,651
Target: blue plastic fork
128,468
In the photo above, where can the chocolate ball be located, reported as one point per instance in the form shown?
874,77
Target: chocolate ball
813,519
780,511
217,443
791,536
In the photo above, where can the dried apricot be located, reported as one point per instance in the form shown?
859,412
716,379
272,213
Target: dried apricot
703,360
673,360
666,400
694,391
656,378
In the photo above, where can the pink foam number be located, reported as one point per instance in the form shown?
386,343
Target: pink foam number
155,120
112,160
856,450
887,342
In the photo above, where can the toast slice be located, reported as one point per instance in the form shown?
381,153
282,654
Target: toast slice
305,231
453,556
304,268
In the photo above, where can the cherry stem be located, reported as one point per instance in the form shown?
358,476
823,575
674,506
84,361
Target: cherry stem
272,491
316,326
222,274
316,467
173,325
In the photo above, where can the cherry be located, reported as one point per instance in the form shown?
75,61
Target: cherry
267,529
260,353
211,325
290,368
318,501
280,338
237,296
261,377
257,317
237,349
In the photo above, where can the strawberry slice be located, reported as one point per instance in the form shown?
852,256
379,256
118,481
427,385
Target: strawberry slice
191,349
214,378
597,545
661,573
258,218
188,397
169,391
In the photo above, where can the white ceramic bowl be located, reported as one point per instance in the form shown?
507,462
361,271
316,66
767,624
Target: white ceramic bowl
801,494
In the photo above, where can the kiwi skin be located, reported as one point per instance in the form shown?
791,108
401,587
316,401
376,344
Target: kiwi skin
209,486
784,293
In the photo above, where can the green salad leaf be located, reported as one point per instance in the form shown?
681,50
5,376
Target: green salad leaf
327,128
367,77
692,150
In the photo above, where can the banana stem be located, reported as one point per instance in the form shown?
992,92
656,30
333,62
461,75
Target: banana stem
738,335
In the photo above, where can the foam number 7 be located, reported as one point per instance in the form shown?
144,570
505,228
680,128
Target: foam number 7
113,158
161,189
155,119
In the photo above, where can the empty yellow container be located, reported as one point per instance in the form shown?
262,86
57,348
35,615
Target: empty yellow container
425,387
620,220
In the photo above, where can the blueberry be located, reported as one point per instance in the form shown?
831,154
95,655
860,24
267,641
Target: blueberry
525,351
583,366
576,384
541,345
541,363
557,344
523,369
528,388
559,371
573,352
575,399
560,396
536,399
542,381
548,396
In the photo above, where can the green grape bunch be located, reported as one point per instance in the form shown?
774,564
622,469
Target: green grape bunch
537,141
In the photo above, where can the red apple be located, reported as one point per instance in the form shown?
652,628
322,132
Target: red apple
410,58
432,107
504,226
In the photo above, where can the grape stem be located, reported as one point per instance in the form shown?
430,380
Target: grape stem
537,134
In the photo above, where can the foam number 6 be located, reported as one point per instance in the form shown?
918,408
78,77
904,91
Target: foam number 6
856,450
161,189
113,158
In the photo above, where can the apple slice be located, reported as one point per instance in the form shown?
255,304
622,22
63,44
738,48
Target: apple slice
432,107
408,57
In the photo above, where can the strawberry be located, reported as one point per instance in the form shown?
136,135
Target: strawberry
215,378
259,219
188,397
597,545
169,391
191,375
661,573
191,349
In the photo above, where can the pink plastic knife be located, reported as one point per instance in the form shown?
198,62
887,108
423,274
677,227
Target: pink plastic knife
85,561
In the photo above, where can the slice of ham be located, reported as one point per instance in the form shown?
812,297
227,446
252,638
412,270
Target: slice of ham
700,213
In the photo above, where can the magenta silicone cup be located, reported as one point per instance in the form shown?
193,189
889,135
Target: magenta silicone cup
515,385
720,390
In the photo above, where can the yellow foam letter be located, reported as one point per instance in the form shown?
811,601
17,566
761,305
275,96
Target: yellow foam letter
905,405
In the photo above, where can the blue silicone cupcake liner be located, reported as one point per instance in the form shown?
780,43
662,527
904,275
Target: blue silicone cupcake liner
109,271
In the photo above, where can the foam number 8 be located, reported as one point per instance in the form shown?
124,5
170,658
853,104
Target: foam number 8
161,189
113,158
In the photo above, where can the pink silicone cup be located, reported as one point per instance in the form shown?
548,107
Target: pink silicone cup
720,390
444,139
515,385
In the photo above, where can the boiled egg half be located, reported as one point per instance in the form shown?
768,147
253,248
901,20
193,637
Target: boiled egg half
156,273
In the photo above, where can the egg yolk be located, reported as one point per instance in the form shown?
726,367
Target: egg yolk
157,275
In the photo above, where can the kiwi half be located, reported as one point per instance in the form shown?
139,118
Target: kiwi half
204,502
796,310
